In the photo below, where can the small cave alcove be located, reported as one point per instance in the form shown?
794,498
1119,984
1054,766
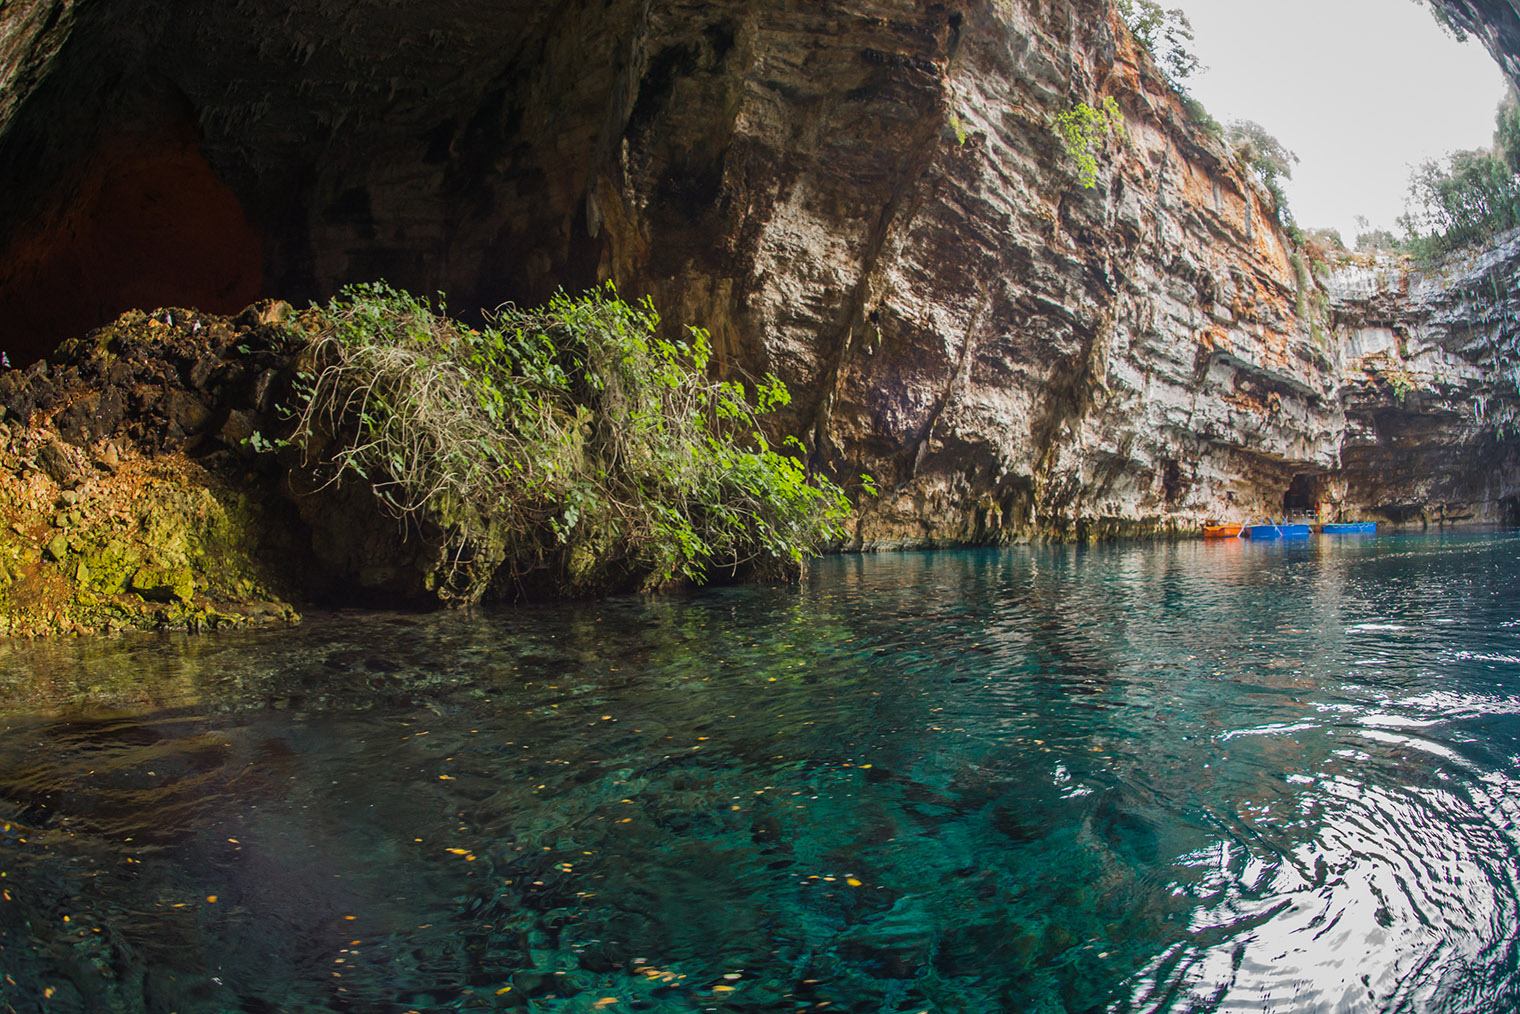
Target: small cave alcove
1509,509
1304,495
142,222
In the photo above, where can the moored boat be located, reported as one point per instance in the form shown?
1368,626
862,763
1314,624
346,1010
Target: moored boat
1284,531
1350,528
1221,531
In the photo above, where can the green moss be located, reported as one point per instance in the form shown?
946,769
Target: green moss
175,550
110,567
160,584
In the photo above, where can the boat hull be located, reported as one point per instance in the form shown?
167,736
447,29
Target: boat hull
1221,531
1278,532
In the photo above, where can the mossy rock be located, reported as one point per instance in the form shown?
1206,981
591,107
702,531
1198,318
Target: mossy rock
109,569
158,584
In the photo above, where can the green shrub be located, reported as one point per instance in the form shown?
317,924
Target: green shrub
571,437
1082,128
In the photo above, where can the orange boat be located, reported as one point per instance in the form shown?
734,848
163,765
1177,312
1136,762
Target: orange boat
1221,531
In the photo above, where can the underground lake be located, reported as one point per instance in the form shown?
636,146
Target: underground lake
1187,776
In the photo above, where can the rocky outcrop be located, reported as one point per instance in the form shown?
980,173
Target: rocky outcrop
1430,366
1495,22
129,493
867,199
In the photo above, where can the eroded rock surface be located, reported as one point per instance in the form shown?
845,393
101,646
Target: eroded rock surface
1431,388
129,494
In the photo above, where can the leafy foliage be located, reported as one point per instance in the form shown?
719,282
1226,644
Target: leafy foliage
570,437
1082,128
1507,131
1167,33
1201,116
1369,240
1469,196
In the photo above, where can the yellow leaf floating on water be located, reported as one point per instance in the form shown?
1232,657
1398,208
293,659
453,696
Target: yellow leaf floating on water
211,899
47,994
606,1001
445,778
723,989
852,882
504,989
459,852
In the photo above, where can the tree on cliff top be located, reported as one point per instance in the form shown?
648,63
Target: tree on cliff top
1267,157
1470,196
1166,33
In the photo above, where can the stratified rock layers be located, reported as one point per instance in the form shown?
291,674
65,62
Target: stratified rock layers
865,198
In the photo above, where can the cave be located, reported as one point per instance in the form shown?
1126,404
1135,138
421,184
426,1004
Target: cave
143,223
181,155
1304,494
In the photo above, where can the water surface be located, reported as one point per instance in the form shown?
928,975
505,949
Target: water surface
1190,777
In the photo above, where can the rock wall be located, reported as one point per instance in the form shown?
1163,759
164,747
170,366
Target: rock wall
128,492
867,198
1431,388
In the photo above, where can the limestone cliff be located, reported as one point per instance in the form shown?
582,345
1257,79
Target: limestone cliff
1431,388
866,198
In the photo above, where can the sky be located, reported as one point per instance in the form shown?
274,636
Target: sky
1361,90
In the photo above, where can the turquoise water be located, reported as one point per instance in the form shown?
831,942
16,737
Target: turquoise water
1195,777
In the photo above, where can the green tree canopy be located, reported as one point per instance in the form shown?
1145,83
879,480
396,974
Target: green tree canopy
1167,33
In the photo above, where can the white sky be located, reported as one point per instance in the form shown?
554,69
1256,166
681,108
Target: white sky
1360,90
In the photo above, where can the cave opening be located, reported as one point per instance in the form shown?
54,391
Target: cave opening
142,222
1304,494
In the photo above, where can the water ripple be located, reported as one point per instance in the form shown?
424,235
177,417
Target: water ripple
1172,778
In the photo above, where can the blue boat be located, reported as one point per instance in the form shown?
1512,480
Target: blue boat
1277,531
1350,528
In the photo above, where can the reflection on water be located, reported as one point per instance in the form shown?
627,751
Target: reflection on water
1234,777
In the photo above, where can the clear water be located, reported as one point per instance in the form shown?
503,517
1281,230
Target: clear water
1192,777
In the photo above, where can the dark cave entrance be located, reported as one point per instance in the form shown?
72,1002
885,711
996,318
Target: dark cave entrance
143,223
1304,494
